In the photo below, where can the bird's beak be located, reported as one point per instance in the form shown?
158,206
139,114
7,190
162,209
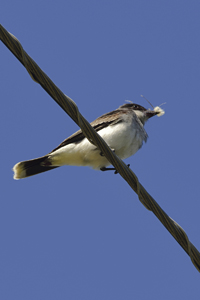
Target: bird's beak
151,113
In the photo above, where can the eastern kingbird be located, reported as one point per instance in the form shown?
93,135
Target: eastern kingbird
122,129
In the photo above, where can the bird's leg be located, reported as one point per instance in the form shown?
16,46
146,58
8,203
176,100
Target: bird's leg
101,153
107,169
111,169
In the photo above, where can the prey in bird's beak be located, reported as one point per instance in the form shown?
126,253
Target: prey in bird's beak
156,111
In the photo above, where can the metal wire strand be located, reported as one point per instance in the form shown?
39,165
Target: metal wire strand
69,106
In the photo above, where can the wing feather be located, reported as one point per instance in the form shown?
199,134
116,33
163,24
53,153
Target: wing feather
105,120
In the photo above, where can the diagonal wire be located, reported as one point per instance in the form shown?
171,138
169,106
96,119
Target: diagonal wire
69,106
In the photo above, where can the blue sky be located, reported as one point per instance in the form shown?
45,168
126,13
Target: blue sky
76,233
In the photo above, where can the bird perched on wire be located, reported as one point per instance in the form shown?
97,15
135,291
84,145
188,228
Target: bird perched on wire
122,129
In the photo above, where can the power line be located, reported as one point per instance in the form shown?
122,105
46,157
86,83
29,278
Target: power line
69,106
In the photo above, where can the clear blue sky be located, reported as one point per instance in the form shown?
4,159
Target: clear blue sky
75,233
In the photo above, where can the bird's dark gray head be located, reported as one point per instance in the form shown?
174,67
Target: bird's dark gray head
142,113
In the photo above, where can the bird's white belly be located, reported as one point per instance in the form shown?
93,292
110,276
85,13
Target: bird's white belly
123,139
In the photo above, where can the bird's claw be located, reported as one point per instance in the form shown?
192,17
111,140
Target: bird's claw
111,169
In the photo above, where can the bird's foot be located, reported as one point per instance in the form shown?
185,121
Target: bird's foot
111,169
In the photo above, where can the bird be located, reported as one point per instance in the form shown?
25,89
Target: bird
122,129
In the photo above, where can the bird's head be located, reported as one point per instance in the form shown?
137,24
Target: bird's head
142,113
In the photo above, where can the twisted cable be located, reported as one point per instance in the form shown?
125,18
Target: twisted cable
69,106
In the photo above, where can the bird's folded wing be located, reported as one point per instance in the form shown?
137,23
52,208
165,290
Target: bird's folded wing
98,124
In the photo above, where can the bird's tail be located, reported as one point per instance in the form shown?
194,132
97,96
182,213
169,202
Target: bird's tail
31,167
